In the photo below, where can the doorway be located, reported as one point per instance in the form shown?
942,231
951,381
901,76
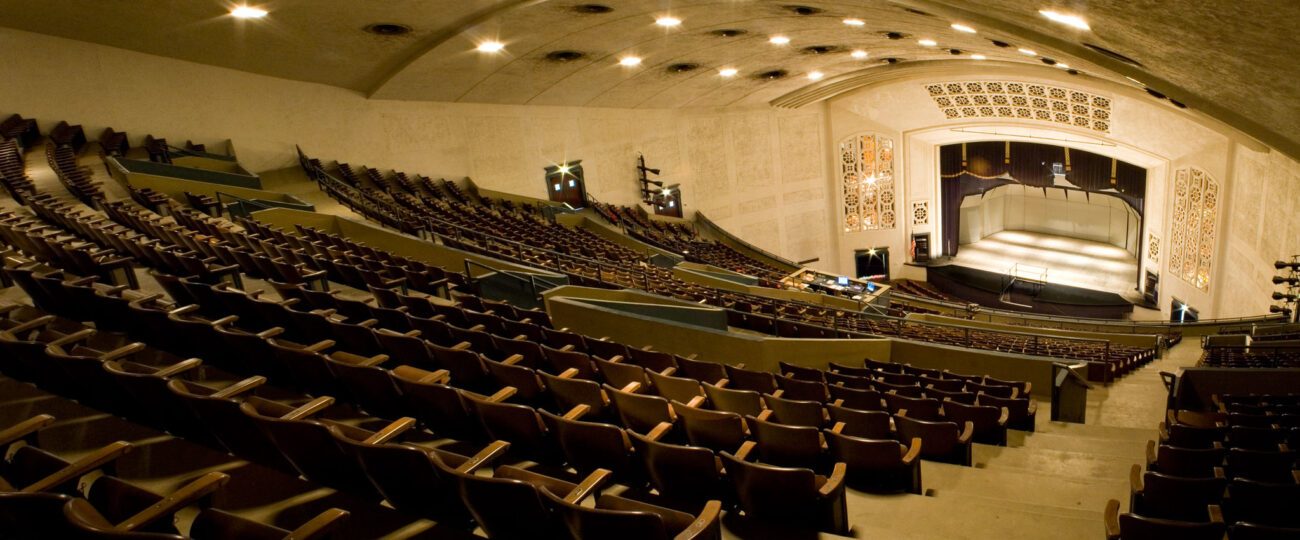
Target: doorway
1180,312
872,263
564,184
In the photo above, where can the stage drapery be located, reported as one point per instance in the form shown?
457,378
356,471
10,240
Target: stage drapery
975,167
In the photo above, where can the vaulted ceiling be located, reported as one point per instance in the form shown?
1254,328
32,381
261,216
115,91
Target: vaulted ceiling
1231,60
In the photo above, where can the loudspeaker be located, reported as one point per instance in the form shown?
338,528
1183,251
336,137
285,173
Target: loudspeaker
921,248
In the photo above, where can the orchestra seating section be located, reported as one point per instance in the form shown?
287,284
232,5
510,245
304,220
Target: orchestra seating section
1232,469
496,382
922,290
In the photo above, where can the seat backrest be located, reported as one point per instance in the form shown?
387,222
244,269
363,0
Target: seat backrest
561,360
780,495
801,372
865,456
920,408
639,412
508,508
413,480
787,446
588,446
854,398
1176,497
737,401
703,371
520,425
860,423
850,381
938,438
796,412
232,428
588,522
803,390
369,385
620,374
1268,503
746,379
683,473
675,388
569,393
1262,465
1135,527
308,445
439,407
651,360
716,430
1190,462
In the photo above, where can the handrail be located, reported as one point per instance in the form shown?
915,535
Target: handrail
531,281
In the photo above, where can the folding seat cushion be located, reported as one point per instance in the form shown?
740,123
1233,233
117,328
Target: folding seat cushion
1163,496
627,519
990,422
686,477
788,498
940,441
1129,526
874,463
716,430
741,402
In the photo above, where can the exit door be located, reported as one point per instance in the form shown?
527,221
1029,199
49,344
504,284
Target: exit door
564,184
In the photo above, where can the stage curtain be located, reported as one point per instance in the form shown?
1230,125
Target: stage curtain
950,160
1089,171
986,159
951,193
1031,163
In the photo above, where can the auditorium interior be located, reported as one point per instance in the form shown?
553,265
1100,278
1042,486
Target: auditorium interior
691,269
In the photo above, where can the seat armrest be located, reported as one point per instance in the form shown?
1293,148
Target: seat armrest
391,431
178,368
320,526
1151,453
967,432
320,345
503,394
593,482
240,387
577,412
705,525
1135,479
312,407
834,482
94,460
1006,415
185,496
913,451
24,428
1111,517
271,332
1216,513
745,449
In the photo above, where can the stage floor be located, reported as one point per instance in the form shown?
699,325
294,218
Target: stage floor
1069,261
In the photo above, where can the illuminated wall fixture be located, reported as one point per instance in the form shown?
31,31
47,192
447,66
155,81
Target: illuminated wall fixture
963,28
867,185
1194,223
779,40
1073,21
727,72
491,46
246,12
629,61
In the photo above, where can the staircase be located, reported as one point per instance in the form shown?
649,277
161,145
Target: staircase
1052,483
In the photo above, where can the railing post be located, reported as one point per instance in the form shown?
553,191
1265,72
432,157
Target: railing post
968,340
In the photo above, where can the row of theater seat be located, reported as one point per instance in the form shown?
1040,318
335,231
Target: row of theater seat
1216,472
1251,357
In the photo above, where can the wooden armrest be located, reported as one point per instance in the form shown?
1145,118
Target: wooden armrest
631,387
1216,513
913,451
1006,415
178,368
391,431
373,360
184,309
72,338
838,428
312,407
320,345
696,401
1135,479
966,433
368,323
708,518
271,332
1033,406
593,482
488,454
778,393
34,323
441,376
477,328
765,414
669,371
722,383
228,319
461,346
240,387
503,394
514,359
95,460
571,373
1111,517
567,348
1015,393
835,481
1151,453
24,428
578,411
1029,387
185,496
125,350
320,526
617,359
745,449
659,431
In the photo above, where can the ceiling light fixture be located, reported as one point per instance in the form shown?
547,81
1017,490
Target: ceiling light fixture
629,61
728,72
245,12
976,57
854,22
815,75
668,22
1028,52
1062,66
963,28
779,40
491,46
858,54
928,42
1073,21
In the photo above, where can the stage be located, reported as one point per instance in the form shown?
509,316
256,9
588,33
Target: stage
1069,261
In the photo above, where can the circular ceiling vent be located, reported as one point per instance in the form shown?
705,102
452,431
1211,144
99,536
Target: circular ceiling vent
592,9
1112,54
683,67
772,75
954,52
388,29
729,32
1049,61
564,56
893,35
1156,94
999,43
892,60
803,10
822,49
915,11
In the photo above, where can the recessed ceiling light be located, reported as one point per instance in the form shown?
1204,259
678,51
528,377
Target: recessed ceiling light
629,61
1073,21
1028,52
963,28
854,22
491,46
858,54
668,22
1062,66
928,42
1134,80
728,72
779,40
976,57
245,12
815,75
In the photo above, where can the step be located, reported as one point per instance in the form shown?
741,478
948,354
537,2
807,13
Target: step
1127,447
1054,462
1095,431
912,516
946,481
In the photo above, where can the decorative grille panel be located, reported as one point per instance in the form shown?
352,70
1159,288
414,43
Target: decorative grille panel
1025,101
867,182
1195,218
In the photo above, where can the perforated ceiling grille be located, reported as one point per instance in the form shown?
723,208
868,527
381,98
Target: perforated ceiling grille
1022,101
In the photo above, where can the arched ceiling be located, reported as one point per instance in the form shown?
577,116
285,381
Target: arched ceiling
1233,61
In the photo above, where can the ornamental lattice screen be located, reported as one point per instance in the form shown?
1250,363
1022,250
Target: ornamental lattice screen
867,182
1196,212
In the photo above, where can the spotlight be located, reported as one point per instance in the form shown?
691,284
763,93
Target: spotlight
1279,309
1277,280
1280,296
1286,264
655,182
648,169
491,46
246,12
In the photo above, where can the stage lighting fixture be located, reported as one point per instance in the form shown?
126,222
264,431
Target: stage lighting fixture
1286,264
1281,296
648,169
655,182
1279,309
1058,169
1277,280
